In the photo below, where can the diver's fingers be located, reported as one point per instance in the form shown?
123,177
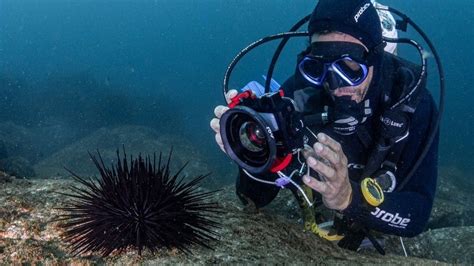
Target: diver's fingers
219,110
215,125
318,186
219,142
308,151
330,142
327,153
219,139
321,168
229,95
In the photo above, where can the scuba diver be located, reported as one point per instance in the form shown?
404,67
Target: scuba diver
368,128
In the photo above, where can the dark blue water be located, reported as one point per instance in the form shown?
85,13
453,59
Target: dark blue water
160,63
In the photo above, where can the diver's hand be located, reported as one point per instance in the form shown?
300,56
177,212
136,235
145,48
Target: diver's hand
218,111
336,188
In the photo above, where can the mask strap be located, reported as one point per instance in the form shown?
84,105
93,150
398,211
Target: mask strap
303,53
375,53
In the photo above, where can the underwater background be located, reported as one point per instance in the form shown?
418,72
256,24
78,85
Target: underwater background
69,68
79,76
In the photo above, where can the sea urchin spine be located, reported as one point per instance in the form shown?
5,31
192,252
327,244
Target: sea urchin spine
142,206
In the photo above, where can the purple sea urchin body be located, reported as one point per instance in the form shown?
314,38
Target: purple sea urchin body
140,205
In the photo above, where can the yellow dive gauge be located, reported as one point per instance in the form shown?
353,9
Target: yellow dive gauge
372,192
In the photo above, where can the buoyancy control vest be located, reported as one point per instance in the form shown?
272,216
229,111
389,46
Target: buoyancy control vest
397,78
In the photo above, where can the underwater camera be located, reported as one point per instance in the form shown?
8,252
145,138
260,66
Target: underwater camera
261,134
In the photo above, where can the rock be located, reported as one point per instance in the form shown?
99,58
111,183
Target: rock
30,234
17,141
51,134
17,166
17,150
5,178
445,213
135,140
454,185
453,202
452,245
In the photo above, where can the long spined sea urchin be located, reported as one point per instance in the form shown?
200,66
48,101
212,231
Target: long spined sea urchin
142,206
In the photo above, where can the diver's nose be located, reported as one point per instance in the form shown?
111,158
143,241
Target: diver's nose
331,82
326,86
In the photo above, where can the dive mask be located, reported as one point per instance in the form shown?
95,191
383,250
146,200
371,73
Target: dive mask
339,63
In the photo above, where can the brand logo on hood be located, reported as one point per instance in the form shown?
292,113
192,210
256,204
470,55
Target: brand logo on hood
361,11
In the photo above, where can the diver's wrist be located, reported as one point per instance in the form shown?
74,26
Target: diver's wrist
347,201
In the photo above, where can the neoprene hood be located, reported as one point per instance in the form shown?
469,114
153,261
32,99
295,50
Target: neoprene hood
357,18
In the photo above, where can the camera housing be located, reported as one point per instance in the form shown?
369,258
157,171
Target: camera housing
261,134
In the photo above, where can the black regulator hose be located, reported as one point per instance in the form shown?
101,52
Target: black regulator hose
423,72
437,122
278,50
247,49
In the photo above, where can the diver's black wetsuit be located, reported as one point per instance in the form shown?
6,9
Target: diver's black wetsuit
403,213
